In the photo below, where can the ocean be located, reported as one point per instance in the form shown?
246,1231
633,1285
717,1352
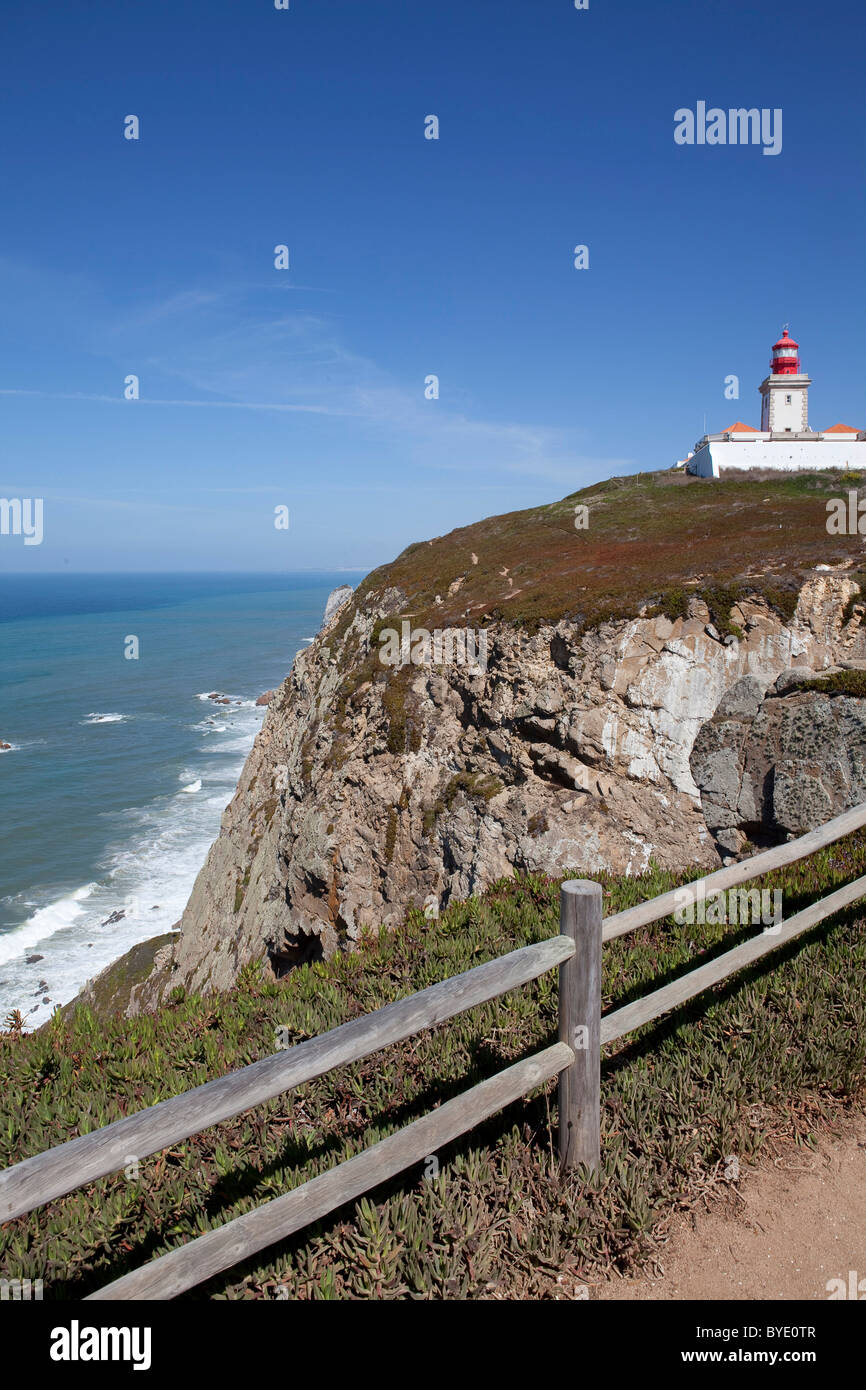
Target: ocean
120,769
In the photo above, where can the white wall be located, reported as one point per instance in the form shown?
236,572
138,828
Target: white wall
712,459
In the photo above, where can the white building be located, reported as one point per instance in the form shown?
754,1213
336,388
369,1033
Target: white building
784,441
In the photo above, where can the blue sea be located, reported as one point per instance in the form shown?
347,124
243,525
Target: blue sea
120,768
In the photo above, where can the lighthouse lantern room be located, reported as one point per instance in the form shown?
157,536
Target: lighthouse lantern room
785,392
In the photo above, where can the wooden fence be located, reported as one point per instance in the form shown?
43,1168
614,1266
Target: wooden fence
575,1059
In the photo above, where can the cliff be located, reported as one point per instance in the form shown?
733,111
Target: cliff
612,639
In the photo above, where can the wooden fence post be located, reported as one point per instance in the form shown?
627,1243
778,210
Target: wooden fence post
580,1024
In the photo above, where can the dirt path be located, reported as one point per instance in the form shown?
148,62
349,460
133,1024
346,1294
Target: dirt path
797,1222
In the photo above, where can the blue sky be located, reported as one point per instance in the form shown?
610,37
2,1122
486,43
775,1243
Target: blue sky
305,388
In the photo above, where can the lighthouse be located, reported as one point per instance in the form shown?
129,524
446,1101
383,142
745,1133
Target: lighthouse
784,443
785,392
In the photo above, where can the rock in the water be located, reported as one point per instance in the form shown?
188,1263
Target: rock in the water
266,698
4,747
31,960
115,917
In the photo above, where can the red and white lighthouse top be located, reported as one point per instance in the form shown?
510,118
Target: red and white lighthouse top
785,360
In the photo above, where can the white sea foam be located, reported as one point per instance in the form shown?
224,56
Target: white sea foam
105,719
45,923
217,697
147,875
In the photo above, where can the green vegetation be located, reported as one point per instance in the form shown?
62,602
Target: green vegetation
720,599
776,1052
652,539
673,604
482,787
783,598
404,732
840,683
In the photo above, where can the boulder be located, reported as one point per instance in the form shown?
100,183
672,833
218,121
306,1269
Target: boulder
781,768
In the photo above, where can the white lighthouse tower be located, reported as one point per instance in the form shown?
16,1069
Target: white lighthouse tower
784,442
785,392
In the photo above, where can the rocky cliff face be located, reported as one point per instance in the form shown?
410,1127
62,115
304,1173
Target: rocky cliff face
371,790
779,761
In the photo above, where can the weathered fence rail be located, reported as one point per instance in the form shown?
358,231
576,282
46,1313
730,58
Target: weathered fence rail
220,1249
95,1155
575,1058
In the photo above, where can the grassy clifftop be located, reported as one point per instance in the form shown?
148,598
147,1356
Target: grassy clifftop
777,1051
648,536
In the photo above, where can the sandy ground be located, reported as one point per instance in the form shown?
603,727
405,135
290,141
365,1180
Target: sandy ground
795,1223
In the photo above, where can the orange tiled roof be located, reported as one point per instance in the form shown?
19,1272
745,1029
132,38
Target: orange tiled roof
739,427
841,429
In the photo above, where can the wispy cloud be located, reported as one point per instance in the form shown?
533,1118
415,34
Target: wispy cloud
235,348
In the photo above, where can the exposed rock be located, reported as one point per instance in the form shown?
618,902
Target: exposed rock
742,700
4,747
115,917
731,840
115,988
790,678
31,960
336,599
369,790
783,767
266,698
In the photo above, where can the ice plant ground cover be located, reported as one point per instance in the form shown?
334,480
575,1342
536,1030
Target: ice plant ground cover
778,1052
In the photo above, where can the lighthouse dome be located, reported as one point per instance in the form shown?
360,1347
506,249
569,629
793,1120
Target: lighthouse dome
785,360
